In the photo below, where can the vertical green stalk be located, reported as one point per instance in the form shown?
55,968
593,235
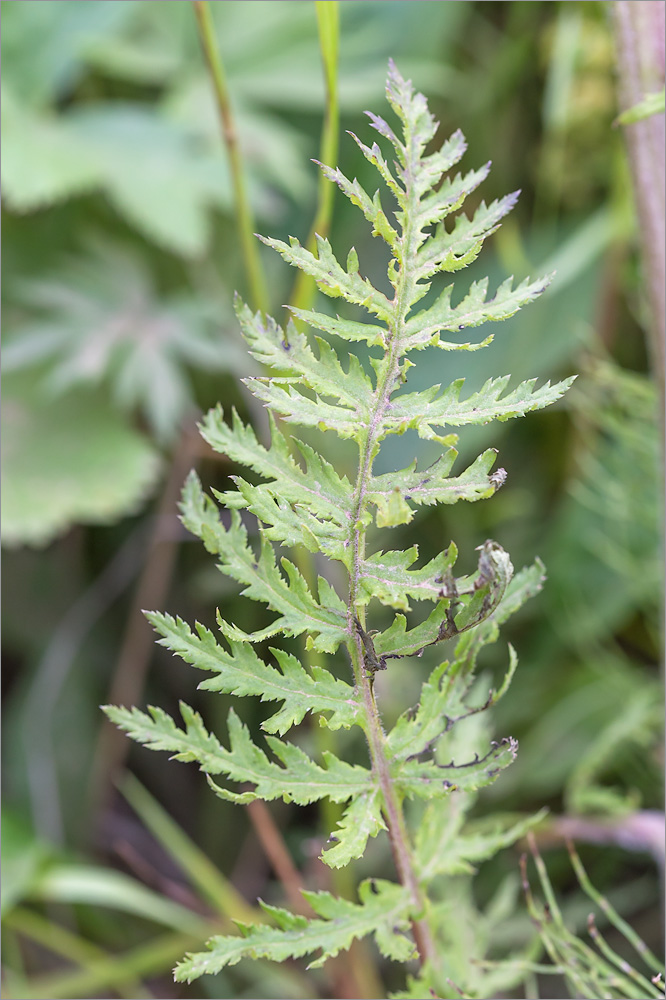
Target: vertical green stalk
328,23
639,32
244,218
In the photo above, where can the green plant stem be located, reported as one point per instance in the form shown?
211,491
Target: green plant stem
397,828
362,966
328,24
639,30
630,980
244,217
613,917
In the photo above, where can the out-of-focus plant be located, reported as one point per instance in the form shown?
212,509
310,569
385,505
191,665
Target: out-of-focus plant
639,32
99,322
596,973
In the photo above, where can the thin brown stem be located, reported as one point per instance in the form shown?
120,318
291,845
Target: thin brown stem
138,641
276,851
397,829
395,820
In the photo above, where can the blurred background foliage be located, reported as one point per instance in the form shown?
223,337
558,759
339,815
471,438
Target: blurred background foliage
120,263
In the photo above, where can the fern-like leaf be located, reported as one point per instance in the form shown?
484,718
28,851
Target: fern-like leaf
383,911
302,501
241,672
296,778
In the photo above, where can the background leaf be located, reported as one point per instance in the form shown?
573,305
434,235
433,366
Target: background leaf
87,467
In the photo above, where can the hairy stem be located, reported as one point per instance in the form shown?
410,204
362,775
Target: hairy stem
374,733
244,218
387,381
395,820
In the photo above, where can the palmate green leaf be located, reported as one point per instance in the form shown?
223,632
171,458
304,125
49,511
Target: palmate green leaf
55,39
297,778
92,467
298,609
43,162
383,911
98,320
241,672
154,174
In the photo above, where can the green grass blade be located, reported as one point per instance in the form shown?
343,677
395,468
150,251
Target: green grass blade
204,875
